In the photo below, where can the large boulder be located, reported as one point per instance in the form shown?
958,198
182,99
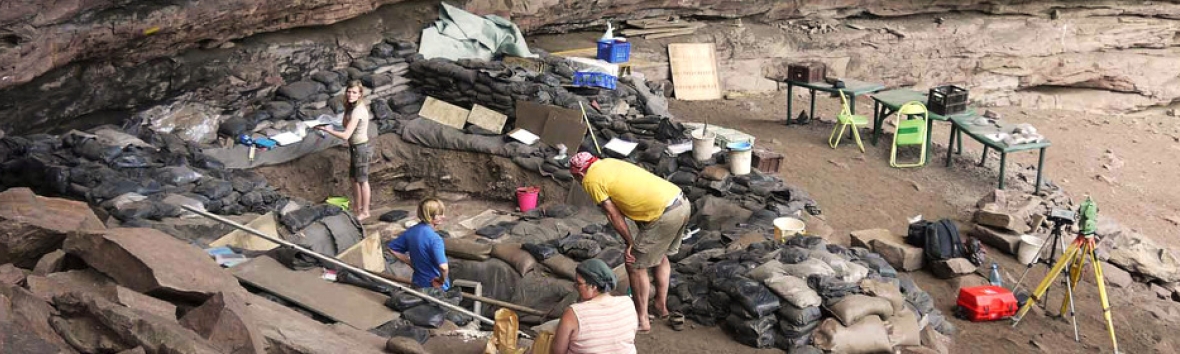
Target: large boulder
1140,255
32,226
1001,239
151,262
24,324
91,281
154,334
223,320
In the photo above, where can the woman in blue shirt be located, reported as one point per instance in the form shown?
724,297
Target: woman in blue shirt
422,248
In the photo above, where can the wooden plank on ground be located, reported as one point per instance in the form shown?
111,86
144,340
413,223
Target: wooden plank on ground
240,239
354,306
637,32
486,118
670,34
653,23
444,113
694,71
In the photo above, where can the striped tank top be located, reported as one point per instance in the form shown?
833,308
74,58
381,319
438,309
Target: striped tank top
605,326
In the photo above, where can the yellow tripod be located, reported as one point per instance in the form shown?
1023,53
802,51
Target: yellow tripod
1074,258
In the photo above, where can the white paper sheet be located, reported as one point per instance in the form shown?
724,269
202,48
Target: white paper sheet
286,138
620,146
524,136
677,149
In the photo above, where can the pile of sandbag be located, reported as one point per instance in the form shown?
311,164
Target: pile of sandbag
133,178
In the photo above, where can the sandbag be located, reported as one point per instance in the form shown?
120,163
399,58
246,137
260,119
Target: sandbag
754,297
613,257
904,328
393,215
793,255
425,316
491,231
758,333
794,290
884,290
540,252
808,268
403,301
511,253
790,329
865,337
799,316
581,249
562,266
467,249
847,271
766,271
853,308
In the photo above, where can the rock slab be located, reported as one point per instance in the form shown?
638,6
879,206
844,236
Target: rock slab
1000,239
223,321
154,334
151,262
32,226
950,268
900,255
1139,254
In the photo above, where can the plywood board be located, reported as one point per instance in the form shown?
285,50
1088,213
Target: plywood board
365,254
444,113
240,239
694,71
354,306
531,116
486,118
564,126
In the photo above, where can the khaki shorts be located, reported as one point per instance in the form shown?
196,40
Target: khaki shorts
358,163
661,237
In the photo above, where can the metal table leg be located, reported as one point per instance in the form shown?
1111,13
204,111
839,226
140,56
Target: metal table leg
1040,167
790,97
812,104
984,159
852,104
929,135
950,143
1003,157
876,121
960,134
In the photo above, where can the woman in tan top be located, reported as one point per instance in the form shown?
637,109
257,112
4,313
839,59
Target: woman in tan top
599,323
356,132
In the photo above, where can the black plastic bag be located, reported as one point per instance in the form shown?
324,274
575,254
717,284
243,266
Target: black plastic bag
403,301
491,231
754,297
540,252
348,277
178,175
581,249
832,289
613,257
458,318
789,314
292,258
299,219
214,188
425,316
758,333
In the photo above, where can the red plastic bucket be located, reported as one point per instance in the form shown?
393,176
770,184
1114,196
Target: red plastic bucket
526,198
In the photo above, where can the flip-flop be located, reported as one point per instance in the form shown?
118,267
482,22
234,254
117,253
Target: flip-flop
676,320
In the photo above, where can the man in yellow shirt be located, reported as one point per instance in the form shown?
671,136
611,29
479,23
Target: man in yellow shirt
657,206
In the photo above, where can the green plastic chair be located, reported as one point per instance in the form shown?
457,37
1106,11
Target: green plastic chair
845,119
910,132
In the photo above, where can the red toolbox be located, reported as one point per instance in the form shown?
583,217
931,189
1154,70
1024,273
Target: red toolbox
986,303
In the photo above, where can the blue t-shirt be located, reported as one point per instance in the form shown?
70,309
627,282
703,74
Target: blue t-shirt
426,251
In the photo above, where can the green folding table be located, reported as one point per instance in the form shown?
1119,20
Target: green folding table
980,133
852,88
887,103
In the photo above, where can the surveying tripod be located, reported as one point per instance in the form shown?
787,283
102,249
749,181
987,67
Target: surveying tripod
1074,259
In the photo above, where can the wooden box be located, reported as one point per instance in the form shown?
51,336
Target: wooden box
806,72
767,161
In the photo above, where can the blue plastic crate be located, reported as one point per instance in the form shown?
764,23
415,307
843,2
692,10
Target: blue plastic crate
614,51
587,78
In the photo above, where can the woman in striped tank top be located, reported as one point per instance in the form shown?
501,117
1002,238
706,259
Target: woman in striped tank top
599,323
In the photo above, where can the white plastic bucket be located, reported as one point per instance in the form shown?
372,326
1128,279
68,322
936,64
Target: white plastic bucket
785,227
1029,247
702,144
740,157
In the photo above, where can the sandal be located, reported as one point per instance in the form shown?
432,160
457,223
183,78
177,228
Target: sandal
676,320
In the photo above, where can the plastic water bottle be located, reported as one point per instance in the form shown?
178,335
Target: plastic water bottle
994,277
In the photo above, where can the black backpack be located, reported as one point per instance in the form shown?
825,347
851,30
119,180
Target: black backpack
940,239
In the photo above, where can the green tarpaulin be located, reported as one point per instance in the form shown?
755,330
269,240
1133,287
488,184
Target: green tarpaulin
460,34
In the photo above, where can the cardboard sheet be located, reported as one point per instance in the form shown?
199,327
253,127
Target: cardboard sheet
366,254
444,113
240,239
694,71
564,126
531,116
486,118
354,306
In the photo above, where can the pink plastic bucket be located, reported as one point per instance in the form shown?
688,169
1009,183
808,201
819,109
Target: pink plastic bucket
526,198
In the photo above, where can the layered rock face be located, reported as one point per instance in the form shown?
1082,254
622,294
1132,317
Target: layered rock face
105,60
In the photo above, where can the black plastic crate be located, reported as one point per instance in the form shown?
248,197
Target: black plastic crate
947,96
946,110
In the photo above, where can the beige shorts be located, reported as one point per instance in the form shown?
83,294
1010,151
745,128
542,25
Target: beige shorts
661,237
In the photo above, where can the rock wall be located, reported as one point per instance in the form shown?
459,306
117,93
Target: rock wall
82,62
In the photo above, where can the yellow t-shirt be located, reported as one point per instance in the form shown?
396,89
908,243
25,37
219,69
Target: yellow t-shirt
639,195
